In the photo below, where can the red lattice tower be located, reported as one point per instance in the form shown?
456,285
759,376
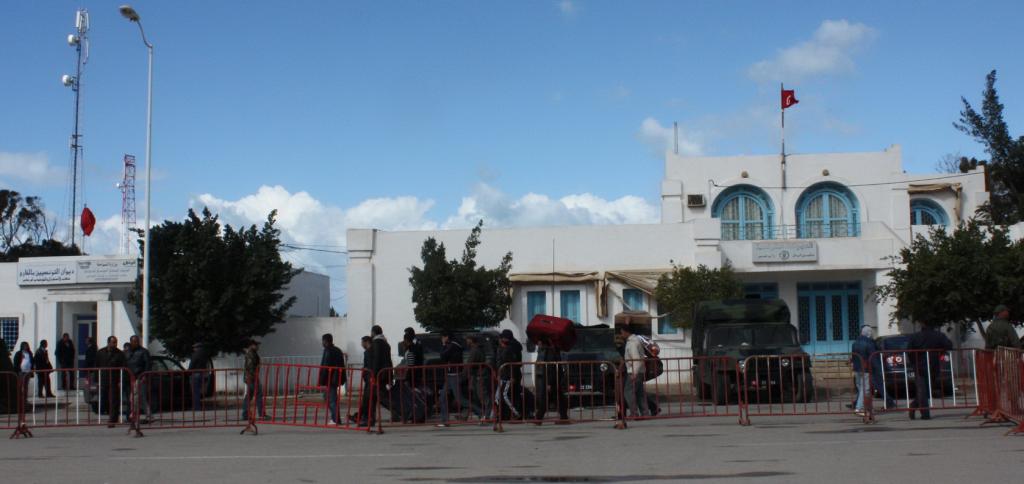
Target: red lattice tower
127,187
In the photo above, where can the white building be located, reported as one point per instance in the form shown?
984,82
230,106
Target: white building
87,296
815,232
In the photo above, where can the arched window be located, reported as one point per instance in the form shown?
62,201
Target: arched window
827,210
745,212
926,212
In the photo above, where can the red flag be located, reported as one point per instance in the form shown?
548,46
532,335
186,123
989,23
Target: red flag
788,98
88,221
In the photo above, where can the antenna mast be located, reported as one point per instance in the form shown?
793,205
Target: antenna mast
127,187
80,42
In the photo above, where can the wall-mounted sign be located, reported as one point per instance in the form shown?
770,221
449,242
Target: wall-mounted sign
41,272
788,251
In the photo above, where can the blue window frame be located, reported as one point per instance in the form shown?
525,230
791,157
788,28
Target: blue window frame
536,303
569,305
761,290
827,210
927,212
9,331
634,299
745,213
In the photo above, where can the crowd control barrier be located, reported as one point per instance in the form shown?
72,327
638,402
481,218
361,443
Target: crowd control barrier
681,388
774,385
312,396
176,399
1009,377
560,392
988,388
11,404
925,380
98,396
436,394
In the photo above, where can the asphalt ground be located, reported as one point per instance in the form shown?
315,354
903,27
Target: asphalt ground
948,448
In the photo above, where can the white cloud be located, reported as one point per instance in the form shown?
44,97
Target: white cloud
829,51
660,138
30,167
568,7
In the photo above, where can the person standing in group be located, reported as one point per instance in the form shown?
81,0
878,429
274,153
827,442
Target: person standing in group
510,372
1000,332
198,366
636,397
138,363
861,351
926,345
332,375
251,377
90,355
23,363
65,353
410,343
479,379
380,359
41,362
552,382
111,363
364,398
451,357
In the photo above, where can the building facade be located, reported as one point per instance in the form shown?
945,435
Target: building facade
816,230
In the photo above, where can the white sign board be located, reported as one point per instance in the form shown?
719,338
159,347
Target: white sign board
78,271
789,251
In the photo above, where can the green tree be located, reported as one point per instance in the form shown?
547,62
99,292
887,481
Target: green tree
458,294
1006,156
679,291
956,277
215,285
25,230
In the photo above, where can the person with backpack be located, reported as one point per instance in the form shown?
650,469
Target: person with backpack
861,351
332,374
635,373
653,368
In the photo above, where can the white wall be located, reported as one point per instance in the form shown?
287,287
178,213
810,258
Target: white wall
313,295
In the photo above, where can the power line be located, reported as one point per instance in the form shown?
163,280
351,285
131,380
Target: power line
873,184
296,247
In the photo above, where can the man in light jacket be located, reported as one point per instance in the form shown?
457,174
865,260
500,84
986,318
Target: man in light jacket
636,397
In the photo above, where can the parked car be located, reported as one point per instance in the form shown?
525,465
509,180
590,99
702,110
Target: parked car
169,385
899,378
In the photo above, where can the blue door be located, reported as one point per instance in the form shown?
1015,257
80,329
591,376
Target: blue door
829,316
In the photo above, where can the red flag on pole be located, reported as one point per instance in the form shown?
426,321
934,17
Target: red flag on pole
88,221
788,98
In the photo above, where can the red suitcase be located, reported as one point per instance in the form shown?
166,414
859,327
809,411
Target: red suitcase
560,331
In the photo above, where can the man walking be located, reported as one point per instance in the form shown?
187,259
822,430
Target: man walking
139,363
551,382
1000,332
510,352
380,359
636,397
65,353
929,344
364,399
332,374
251,375
451,357
861,351
44,368
198,366
479,379
111,362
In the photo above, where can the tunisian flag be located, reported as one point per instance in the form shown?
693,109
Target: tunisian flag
788,98
88,221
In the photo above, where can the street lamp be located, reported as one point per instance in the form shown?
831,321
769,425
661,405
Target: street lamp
129,13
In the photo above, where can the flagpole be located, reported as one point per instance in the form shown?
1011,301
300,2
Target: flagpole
782,194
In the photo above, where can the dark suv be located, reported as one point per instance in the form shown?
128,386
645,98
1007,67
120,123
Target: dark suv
592,384
726,333
898,374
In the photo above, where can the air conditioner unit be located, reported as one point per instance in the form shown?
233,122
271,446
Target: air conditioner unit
695,200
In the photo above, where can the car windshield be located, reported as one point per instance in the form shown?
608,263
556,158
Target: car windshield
594,340
759,335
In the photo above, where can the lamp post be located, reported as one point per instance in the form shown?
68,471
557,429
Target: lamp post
129,13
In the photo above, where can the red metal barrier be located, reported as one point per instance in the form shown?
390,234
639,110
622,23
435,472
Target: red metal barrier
12,404
686,387
176,399
988,388
1009,368
301,395
825,384
925,380
101,396
560,392
436,395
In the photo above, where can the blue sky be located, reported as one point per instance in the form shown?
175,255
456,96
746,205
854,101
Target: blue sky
430,114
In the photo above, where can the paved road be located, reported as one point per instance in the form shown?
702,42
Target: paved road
775,449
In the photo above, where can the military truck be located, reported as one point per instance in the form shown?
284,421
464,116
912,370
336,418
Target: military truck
730,331
590,386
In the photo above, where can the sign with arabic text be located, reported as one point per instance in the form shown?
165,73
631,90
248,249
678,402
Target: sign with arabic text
100,270
789,251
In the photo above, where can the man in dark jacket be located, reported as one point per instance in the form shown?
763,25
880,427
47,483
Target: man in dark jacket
251,376
380,351
332,374
551,381
480,387
451,357
112,361
65,353
198,365
90,354
929,344
510,377
41,362
138,362
1000,332
861,352
364,399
